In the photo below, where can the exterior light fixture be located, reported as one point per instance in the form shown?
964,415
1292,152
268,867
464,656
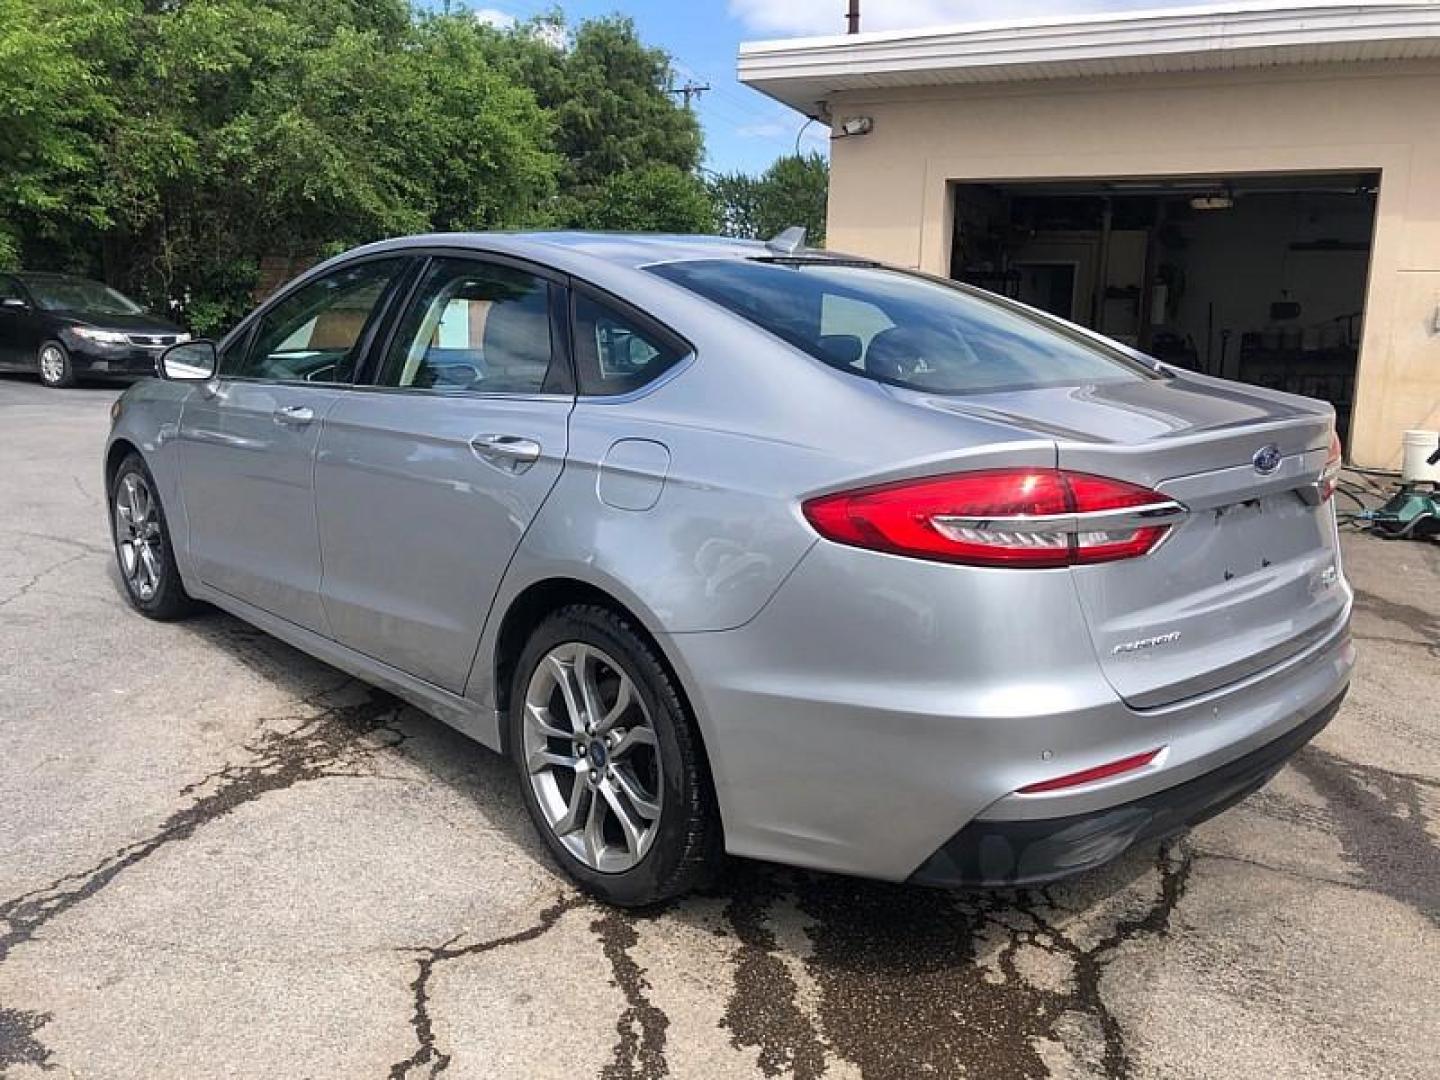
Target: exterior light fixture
856,125
1212,202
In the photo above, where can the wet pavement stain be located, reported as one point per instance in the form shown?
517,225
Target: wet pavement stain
1422,622
314,749
903,991
640,1048
428,1055
902,994
763,1011
18,1045
1381,824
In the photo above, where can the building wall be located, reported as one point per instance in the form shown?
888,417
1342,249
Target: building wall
890,189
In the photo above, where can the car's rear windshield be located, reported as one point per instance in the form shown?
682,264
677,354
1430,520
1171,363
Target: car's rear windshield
901,328
77,294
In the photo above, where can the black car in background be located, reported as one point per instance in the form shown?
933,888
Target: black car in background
64,328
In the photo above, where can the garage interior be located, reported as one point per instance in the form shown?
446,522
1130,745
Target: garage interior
1256,278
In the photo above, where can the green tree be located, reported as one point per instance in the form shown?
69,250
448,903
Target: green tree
736,198
54,102
792,191
172,147
607,93
652,198
298,129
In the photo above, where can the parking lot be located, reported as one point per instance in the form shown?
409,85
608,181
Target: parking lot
219,857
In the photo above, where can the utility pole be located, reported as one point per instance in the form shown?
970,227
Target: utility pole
689,90
852,18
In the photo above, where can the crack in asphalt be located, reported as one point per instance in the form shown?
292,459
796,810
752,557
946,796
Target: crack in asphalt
18,1045
1090,963
639,1052
280,759
640,1046
1380,820
39,577
1284,871
428,1051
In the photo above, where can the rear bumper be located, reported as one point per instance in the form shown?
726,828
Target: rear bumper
1011,853
877,706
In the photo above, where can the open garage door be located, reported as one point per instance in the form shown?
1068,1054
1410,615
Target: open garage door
1255,278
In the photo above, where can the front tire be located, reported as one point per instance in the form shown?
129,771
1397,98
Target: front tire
53,364
142,544
610,761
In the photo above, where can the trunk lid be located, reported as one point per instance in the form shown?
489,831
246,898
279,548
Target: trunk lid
1249,577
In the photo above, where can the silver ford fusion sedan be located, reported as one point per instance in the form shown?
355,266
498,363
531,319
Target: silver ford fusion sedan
750,548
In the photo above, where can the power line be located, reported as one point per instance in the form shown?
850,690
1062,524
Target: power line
689,90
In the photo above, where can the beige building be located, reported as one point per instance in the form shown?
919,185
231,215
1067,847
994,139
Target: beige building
1251,191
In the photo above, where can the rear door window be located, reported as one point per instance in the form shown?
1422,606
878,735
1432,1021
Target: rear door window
901,328
474,326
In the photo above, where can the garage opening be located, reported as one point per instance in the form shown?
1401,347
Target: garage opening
1255,278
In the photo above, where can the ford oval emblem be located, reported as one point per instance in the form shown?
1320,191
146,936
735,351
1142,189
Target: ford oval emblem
1266,460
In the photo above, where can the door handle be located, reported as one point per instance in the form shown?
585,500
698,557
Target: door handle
294,415
509,452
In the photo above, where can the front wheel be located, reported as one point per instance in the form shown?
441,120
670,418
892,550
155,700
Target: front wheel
610,762
142,544
53,363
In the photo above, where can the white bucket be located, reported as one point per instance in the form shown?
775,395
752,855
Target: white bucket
1419,445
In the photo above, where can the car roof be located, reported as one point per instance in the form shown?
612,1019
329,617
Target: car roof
631,250
50,275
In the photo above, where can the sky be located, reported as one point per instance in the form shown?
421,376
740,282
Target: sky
744,130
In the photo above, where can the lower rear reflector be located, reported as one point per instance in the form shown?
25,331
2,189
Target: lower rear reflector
1089,776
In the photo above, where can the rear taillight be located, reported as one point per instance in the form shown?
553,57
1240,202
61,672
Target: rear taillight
1000,517
1330,476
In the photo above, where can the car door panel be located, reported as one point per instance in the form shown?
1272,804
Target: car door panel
427,480
417,525
247,462
248,438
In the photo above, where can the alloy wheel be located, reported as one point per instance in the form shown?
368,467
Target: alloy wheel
52,364
592,757
137,536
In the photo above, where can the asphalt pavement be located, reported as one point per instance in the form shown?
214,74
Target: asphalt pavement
219,857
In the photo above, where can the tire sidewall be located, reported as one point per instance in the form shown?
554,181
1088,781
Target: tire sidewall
170,599
67,376
661,863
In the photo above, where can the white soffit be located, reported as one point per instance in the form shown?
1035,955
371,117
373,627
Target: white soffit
802,72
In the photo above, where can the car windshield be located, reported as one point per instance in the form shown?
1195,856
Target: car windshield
901,328
77,294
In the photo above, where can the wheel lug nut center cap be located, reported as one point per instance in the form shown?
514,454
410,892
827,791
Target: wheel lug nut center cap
599,756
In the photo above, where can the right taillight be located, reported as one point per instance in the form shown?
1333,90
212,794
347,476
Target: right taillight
1330,476
1000,517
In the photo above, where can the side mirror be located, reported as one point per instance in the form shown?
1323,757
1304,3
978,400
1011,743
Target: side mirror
15,302
190,361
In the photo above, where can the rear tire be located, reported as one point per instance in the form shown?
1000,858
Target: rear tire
142,544
53,364
618,788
